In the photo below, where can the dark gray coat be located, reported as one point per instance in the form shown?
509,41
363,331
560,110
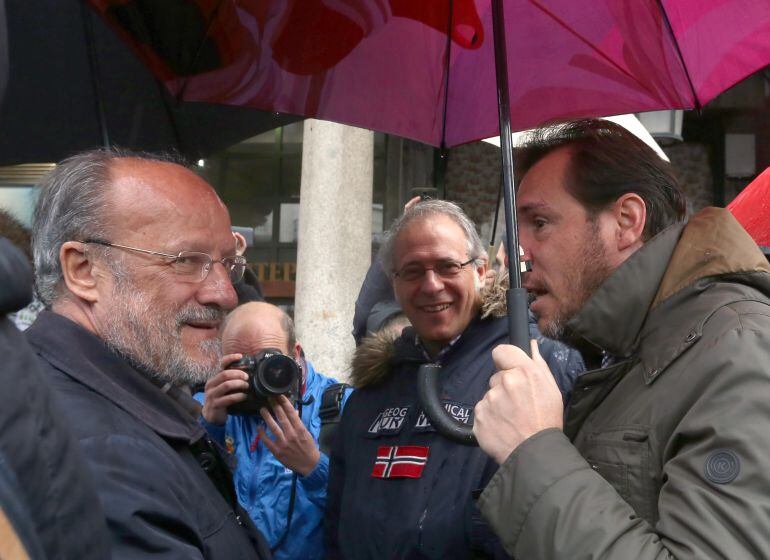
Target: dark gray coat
42,463
165,491
665,453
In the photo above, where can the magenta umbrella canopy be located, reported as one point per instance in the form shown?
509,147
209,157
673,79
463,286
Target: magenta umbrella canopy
422,70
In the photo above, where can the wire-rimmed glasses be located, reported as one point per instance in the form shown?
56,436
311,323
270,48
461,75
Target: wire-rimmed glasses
190,266
446,268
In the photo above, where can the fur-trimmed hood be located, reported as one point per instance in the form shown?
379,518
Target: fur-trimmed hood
372,359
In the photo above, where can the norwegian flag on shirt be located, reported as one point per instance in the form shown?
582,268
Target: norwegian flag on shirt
400,461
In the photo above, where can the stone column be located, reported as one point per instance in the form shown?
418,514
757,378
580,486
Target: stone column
334,244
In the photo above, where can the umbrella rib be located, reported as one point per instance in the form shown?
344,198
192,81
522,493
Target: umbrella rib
446,75
586,42
88,32
215,15
664,14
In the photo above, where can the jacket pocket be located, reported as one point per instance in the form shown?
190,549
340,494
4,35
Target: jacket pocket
622,456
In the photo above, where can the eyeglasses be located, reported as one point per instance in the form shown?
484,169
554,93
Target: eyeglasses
190,266
445,268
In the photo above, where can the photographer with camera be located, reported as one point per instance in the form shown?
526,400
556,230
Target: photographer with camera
249,408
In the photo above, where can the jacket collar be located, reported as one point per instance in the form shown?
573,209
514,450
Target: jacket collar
613,316
378,353
668,270
84,357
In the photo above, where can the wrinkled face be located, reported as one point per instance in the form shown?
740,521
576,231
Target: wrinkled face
149,314
568,249
439,307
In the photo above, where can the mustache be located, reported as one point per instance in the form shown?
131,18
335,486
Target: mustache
200,313
534,286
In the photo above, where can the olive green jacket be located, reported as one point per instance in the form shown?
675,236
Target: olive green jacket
666,453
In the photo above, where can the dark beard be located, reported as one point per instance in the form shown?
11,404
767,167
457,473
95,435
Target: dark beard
594,271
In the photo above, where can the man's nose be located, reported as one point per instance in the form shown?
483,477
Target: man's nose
217,288
431,281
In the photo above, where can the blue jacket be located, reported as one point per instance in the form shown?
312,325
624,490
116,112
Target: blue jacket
263,484
382,506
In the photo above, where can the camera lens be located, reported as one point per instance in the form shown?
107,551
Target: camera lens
277,374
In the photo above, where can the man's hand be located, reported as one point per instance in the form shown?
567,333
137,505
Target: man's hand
523,400
293,445
226,388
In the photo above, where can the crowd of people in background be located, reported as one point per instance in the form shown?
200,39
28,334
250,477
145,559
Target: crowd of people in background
143,420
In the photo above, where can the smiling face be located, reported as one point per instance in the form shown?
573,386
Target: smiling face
571,252
168,326
439,307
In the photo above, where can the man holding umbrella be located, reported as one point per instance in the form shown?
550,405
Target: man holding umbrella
663,450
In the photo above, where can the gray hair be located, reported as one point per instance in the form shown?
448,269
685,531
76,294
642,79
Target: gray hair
71,206
425,209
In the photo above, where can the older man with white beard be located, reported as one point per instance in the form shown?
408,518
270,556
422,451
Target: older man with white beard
135,263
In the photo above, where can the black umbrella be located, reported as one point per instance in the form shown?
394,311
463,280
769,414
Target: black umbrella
72,84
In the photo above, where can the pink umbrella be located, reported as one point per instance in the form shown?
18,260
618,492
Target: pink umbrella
418,70
442,71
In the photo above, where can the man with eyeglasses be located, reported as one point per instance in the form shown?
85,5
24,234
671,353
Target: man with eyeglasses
135,263
396,488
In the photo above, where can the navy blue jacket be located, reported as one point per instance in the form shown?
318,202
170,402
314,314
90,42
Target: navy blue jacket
433,515
164,489
44,474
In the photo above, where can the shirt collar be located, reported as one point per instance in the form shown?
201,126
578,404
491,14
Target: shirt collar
441,353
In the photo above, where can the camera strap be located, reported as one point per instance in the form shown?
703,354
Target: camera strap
330,413
292,495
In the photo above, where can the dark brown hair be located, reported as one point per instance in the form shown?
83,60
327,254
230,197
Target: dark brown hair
607,162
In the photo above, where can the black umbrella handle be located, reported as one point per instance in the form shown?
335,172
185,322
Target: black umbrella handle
518,318
428,390
516,297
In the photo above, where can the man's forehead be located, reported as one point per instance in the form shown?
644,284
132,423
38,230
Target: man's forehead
255,327
167,202
167,183
553,165
438,232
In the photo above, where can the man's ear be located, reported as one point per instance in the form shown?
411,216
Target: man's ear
631,216
78,271
298,352
480,278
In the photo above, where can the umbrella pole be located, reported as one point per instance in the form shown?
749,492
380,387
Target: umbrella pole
518,314
491,252
428,376
88,31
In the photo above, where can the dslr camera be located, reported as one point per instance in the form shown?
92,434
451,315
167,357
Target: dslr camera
271,373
